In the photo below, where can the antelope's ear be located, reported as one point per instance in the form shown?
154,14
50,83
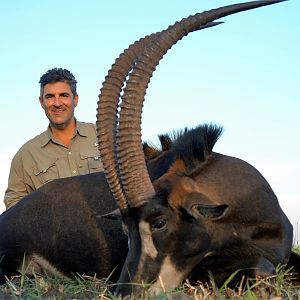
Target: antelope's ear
214,212
150,152
113,215
200,206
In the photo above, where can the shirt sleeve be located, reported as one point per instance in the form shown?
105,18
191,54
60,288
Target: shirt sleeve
16,188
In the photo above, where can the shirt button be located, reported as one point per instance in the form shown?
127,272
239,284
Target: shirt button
74,171
70,153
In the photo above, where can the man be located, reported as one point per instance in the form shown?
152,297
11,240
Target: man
67,148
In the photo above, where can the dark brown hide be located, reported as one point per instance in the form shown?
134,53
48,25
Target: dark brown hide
211,213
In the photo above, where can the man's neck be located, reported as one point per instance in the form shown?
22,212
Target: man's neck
64,134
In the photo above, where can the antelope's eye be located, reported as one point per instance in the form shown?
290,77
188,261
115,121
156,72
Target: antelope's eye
158,224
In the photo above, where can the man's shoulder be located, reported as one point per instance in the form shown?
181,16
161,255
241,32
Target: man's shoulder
86,128
37,141
86,124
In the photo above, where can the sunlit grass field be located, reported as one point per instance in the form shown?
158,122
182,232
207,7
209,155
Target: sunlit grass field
36,287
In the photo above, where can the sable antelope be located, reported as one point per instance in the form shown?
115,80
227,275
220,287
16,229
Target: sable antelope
208,211
60,230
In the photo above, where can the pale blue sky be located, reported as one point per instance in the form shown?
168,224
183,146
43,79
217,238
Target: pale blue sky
243,74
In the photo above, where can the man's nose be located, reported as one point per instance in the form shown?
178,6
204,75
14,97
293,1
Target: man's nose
57,100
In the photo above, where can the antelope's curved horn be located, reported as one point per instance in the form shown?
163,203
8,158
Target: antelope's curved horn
107,112
134,176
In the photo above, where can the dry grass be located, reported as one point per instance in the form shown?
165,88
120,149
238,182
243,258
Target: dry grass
38,287
82,287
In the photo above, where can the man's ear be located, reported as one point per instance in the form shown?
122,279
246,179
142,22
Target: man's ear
41,101
75,100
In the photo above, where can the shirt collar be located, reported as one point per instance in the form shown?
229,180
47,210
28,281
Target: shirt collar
81,129
47,136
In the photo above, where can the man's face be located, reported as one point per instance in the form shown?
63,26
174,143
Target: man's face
58,103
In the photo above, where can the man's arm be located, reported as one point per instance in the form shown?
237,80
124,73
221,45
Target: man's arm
16,188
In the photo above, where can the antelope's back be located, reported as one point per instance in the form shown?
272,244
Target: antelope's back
61,222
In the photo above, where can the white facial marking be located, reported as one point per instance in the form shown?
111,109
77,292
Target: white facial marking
148,247
169,277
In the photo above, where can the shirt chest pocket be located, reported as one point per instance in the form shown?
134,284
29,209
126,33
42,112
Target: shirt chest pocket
90,162
45,172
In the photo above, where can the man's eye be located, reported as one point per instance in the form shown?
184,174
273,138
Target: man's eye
65,95
158,224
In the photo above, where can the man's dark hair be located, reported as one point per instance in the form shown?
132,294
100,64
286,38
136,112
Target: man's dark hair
58,75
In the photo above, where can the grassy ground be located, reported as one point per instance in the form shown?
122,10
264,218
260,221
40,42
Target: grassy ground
37,287
296,249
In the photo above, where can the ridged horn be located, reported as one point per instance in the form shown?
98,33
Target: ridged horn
134,176
107,112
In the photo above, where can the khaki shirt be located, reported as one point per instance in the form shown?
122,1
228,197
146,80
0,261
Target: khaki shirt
43,159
